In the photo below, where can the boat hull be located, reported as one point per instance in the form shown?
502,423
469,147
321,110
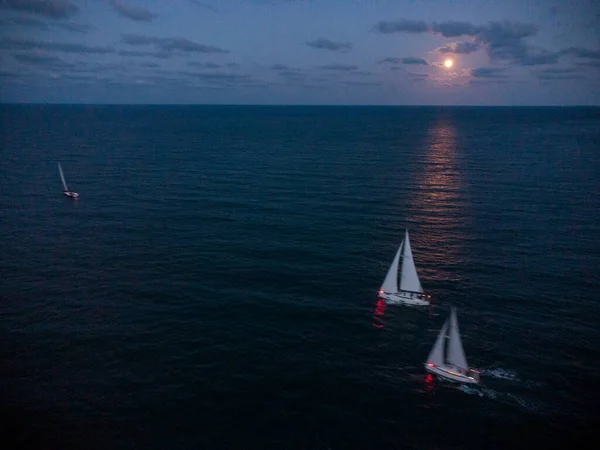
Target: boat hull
407,298
452,373
71,194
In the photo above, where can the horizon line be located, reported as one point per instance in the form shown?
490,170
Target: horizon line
293,105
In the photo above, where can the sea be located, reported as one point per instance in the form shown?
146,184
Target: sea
215,284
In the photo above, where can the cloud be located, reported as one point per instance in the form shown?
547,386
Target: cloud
137,53
326,44
206,65
390,60
170,44
31,44
418,76
217,77
361,83
52,9
412,60
38,60
279,67
580,52
205,6
503,41
488,72
133,12
150,64
486,82
550,77
460,47
30,22
455,29
74,27
401,26
560,73
559,70
339,67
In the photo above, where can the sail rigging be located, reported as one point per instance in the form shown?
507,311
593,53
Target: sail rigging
456,353
409,280
390,283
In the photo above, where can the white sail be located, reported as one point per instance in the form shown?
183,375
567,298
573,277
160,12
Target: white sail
409,281
62,177
456,354
436,357
390,283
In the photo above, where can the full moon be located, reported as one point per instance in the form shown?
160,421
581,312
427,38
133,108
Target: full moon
448,63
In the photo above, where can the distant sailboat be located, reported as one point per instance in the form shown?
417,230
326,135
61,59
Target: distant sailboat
409,291
450,363
66,190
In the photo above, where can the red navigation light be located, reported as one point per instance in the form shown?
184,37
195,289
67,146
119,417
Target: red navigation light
430,365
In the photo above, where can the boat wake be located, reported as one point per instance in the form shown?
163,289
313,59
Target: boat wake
501,374
504,397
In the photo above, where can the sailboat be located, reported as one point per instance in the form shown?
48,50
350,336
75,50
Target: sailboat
450,363
409,291
66,190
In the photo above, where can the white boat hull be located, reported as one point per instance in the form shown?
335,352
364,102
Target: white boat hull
407,298
71,194
452,373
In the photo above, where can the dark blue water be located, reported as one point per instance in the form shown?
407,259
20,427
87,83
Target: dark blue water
215,285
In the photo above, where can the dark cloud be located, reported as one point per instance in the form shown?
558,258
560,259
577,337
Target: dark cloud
339,67
204,65
390,60
455,29
31,44
540,59
149,65
550,76
52,9
170,44
136,53
488,72
401,26
30,22
461,48
418,76
580,52
593,64
412,60
486,82
361,83
35,58
74,27
558,71
204,6
218,78
503,41
279,67
326,44
133,12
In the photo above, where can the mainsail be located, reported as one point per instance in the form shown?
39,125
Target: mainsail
436,357
62,177
456,354
409,281
390,284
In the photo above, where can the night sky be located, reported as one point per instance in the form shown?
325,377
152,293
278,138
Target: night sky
505,52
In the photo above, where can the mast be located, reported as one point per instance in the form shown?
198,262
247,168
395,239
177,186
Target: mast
409,280
390,283
456,354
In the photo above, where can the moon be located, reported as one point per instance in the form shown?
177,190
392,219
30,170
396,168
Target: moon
448,63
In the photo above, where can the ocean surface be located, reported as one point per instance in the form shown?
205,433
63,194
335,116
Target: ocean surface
215,286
